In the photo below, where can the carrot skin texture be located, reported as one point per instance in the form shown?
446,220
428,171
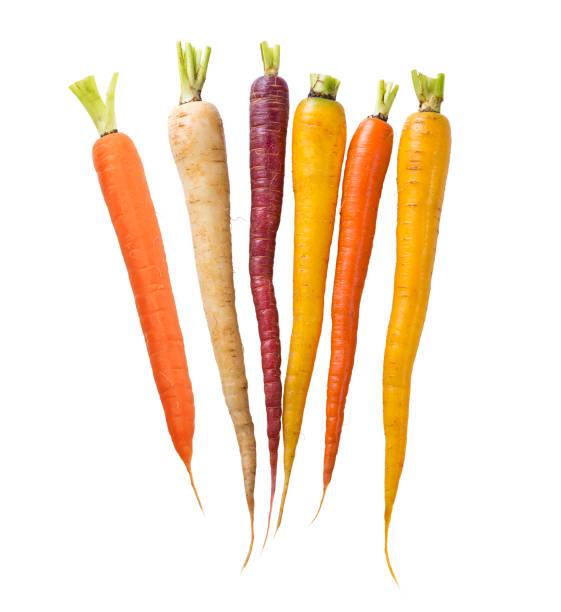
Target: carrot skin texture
368,158
123,184
197,142
269,106
422,168
318,148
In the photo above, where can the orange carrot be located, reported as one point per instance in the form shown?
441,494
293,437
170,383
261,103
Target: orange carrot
367,162
123,184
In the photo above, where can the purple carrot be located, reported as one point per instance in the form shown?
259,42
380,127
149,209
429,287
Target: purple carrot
268,120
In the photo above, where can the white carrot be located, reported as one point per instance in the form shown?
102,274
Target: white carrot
197,142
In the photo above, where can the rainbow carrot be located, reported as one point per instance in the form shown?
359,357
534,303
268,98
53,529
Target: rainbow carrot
318,147
368,158
422,168
123,184
268,121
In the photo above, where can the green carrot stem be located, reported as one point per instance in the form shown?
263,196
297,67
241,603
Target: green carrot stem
102,113
387,92
323,86
430,92
271,58
193,64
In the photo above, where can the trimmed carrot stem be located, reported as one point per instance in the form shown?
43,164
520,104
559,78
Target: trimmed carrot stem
192,64
323,86
429,91
386,95
271,58
102,113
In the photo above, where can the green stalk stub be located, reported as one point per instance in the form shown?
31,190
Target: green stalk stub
323,86
271,58
192,71
102,113
387,92
430,92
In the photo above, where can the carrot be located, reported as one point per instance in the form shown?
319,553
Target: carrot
318,148
196,138
268,120
422,167
365,169
123,184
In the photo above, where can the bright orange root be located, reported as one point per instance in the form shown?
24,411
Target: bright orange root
320,503
195,489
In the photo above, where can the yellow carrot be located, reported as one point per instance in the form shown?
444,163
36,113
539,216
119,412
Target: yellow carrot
318,148
422,167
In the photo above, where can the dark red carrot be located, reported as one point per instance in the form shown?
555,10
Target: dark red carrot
268,120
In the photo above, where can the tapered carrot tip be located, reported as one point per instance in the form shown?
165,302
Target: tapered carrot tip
250,546
283,499
387,555
195,490
320,503
269,519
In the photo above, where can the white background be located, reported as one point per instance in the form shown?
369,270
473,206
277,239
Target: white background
96,512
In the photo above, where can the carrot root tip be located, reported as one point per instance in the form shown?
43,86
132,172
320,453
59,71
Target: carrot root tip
195,491
387,555
320,504
283,499
250,547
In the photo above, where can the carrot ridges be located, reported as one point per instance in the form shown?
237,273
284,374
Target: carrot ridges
367,162
268,120
125,190
197,142
318,149
422,168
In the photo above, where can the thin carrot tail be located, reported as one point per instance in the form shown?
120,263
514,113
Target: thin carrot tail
195,490
387,521
273,483
250,544
283,499
320,503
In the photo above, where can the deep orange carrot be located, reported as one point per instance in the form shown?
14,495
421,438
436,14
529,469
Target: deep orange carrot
367,162
123,184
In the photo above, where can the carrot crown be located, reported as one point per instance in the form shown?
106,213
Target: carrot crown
271,58
102,113
192,64
386,95
323,86
430,92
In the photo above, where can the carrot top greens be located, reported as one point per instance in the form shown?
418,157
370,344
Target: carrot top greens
192,64
271,58
323,86
102,113
430,92
387,92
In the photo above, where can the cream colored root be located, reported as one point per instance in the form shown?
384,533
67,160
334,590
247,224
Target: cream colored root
197,142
